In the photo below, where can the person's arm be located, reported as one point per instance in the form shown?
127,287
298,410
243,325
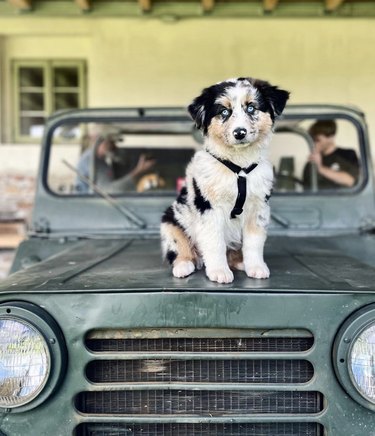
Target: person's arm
123,184
127,182
340,177
83,168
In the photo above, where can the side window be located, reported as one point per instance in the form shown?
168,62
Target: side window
290,148
42,88
316,155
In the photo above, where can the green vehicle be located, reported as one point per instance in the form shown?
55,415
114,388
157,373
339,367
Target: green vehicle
98,338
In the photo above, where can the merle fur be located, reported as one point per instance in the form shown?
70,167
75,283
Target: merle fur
182,198
171,256
199,201
203,108
170,218
273,99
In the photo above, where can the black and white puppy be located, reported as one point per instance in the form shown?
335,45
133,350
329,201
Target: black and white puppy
220,218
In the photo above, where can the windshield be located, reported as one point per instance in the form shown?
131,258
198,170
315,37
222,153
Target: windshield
309,156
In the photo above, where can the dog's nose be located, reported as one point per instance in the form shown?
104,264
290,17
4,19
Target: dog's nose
239,133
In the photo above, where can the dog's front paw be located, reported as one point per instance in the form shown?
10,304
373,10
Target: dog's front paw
222,275
183,268
259,271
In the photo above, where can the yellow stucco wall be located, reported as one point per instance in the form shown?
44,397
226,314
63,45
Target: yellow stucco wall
151,62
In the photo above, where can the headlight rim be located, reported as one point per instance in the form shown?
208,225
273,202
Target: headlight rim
48,328
349,332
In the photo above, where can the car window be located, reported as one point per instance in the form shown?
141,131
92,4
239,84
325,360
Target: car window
151,158
288,153
316,155
119,161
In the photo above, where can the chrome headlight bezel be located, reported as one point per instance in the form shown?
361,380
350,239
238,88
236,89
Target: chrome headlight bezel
347,336
43,323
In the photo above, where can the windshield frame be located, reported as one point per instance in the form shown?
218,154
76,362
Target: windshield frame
57,215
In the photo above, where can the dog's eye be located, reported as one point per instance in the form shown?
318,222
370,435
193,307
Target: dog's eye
225,113
250,109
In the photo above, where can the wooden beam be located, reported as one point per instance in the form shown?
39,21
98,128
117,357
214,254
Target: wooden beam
145,5
270,5
208,5
332,5
22,5
84,5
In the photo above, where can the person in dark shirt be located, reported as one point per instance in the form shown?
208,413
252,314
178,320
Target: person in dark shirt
336,167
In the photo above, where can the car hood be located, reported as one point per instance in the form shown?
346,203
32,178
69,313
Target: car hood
134,265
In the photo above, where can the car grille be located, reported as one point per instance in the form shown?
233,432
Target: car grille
175,380
264,429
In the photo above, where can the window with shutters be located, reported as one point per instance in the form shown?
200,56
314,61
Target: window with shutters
42,88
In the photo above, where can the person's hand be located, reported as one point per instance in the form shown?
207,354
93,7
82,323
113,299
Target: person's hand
143,165
316,158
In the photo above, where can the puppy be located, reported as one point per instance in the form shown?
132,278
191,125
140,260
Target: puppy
220,218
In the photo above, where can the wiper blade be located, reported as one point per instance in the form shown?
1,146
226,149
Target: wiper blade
280,220
127,213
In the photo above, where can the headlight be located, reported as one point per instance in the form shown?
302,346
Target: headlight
24,363
32,356
362,363
354,356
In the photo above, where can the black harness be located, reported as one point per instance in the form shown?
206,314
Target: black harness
241,184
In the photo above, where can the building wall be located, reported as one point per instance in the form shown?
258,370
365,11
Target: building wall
138,62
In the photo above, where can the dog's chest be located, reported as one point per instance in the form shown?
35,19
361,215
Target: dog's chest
225,187
220,185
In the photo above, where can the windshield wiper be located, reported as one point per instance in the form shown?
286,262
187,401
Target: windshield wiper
127,213
280,220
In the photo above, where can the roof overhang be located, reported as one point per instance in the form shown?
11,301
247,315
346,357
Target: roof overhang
172,10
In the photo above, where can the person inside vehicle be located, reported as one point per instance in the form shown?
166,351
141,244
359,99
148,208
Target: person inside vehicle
96,164
336,167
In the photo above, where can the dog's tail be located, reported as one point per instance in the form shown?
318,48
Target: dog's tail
176,246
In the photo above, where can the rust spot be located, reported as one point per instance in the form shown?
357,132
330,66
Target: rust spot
152,366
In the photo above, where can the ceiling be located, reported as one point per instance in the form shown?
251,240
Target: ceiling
188,8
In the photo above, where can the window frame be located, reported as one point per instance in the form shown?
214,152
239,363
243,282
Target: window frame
48,90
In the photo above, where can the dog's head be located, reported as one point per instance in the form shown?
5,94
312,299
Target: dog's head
238,112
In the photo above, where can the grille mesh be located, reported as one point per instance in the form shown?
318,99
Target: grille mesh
200,371
202,345
169,429
209,403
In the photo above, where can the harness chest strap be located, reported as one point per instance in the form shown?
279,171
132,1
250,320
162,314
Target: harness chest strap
241,184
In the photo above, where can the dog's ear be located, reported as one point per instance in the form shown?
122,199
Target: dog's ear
197,110
203,108
274,97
